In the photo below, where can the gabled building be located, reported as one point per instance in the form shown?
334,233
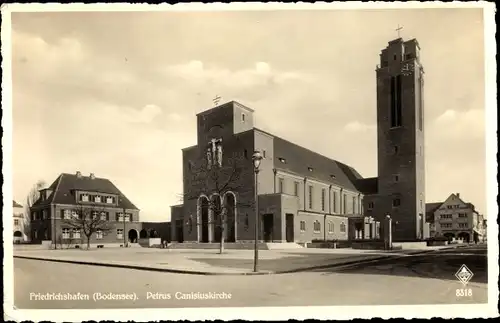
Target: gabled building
456,219
68,194
19,223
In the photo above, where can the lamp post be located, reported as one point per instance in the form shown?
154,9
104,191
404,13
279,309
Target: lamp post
257,158
389,231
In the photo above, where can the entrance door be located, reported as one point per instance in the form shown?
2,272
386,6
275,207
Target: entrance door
289,228
204,221
268,227
179,232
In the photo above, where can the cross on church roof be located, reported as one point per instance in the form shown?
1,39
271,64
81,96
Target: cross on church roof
399,30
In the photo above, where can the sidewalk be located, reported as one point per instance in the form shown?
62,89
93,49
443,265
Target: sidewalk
205,262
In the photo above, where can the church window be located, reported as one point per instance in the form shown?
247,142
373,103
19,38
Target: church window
396,150
296,188
263,154
323,197
242,117
396,178
396,202
334,202
344,206
317,226
302,226
371,205
420,105
342,227
396,113
310,196
245,153
395,57
281,185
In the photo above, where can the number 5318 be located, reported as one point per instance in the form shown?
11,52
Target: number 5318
463,292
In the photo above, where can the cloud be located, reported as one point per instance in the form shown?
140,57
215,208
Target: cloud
357,126
460,125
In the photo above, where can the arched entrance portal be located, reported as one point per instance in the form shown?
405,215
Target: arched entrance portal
132,235
464,236
449,235
218,219
230,208
143,234
203,202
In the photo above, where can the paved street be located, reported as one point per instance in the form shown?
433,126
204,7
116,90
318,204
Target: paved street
424,279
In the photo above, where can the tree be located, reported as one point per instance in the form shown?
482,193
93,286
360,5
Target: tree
89,219
215,176
31,198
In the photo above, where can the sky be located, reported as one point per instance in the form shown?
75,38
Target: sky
116,93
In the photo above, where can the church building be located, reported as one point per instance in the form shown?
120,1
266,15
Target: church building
302,195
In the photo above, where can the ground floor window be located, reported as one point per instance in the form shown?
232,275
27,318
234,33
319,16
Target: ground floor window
342,227
119,233
317,226
76,234
65,233
331,227
98,234
302,226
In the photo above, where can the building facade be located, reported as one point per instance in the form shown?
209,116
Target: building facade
399,189
19,223
456,219
303,196
73,197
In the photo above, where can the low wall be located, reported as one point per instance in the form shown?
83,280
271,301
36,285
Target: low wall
410,245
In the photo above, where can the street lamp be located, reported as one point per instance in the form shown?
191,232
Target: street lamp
257,158
389,231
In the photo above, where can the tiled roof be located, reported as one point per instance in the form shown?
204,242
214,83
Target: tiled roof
298,160
15,204
367,186
430,208
63,188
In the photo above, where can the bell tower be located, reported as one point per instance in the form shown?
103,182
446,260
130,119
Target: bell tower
400,139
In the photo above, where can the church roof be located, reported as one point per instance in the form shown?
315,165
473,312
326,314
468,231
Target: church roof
62,190
15,204
367,186
299,160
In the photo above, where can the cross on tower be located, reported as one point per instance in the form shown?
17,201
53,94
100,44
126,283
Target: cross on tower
216,100
399,30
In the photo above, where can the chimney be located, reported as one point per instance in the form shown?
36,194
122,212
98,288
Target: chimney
78,174
92,176
458,195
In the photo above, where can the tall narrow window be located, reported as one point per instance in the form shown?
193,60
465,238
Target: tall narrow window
344,206
396,113
281,185
393,101
420,105
310,196
323,197
398,102
334,202
296,188
353,204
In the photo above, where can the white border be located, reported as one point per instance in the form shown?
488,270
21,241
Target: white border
323,312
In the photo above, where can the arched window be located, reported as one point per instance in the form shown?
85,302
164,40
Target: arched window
317,226
342,227
331,227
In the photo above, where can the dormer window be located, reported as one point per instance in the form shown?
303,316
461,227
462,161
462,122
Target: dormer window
310,169
333,176
84,198
283,160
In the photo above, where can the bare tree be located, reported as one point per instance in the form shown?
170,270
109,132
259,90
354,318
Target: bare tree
89,219
31,198
214,178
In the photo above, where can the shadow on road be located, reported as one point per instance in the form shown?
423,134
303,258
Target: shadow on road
440,264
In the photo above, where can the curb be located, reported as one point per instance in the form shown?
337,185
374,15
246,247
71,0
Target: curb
166,270
205,273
